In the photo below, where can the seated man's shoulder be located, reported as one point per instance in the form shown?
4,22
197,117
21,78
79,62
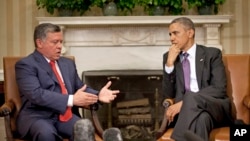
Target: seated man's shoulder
213,51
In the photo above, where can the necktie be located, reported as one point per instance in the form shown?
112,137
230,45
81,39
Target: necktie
186,71
68,114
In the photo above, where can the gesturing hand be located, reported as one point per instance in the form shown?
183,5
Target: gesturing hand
84,99
106,95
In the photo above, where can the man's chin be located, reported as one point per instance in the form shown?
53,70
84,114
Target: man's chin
57,57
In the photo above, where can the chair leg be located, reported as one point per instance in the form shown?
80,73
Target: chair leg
97,124
9,136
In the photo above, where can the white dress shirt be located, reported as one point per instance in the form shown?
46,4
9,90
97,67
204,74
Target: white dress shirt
193,79
70,100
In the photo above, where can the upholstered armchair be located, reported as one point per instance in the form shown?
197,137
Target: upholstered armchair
238,89
12,105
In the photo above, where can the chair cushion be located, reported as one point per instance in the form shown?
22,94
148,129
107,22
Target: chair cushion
166,135
220,134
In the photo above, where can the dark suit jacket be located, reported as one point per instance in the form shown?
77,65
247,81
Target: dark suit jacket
211,77
40,91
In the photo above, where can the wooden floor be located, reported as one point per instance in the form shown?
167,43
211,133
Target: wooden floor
2,130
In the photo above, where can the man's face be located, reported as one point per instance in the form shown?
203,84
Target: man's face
180,36
51,46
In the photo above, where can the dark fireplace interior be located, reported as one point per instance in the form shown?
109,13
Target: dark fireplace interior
137,111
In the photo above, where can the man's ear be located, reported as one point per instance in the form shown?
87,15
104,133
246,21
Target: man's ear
39,43
191,33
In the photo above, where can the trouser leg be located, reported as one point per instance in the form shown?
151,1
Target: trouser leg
192,107
202,125
44,130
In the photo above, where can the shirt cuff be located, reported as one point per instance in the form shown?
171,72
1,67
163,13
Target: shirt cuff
70,101
169,69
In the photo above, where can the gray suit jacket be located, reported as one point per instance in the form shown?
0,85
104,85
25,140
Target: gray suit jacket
40,91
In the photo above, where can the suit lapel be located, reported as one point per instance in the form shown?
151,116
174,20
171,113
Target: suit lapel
65,73
45,65
179,72
62,66
200,60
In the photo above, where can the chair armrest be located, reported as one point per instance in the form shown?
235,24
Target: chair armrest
166,103
7,108
246,101
5,111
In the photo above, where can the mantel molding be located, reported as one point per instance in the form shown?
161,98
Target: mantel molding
120,20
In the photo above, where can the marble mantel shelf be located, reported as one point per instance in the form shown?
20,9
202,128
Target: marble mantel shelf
120,20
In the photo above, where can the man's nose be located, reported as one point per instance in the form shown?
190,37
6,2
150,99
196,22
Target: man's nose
172,38
60,45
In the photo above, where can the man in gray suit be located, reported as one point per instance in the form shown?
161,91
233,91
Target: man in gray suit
203,103
41,89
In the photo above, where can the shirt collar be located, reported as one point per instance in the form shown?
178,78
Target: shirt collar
48,59
192,51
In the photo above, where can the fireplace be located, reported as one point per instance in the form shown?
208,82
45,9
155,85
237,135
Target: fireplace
137,110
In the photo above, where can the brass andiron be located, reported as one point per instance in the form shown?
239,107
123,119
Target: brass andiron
157,125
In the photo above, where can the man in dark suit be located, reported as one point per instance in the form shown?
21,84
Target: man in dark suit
203,103
47,95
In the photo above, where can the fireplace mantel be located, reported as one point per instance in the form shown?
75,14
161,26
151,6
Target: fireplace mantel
128,42
128,20
133,30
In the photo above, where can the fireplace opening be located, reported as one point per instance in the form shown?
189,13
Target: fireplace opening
137,111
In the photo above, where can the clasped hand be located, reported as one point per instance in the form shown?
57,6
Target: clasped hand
172,111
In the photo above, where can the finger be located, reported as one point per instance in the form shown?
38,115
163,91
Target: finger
169,122
115,92
83,88
92,96
172,119
174,45
91,100
112,98
108,85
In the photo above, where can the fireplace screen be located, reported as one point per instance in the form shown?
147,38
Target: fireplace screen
137,110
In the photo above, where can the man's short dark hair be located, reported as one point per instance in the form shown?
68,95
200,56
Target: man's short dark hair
42,29
188,23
